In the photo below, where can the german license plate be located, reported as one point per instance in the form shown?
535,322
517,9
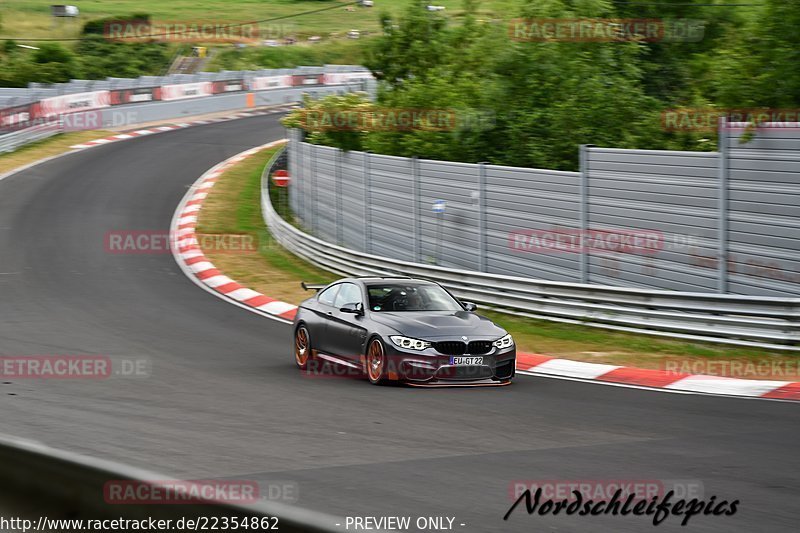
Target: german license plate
469,361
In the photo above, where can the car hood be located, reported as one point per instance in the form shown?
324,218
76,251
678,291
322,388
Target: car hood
431,325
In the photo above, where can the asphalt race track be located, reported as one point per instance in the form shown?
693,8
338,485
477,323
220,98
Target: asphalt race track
223,398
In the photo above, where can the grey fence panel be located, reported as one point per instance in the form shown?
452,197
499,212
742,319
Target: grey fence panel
664,202
351,201
325,195
299,174
450,238
764,209
523,206
644,219
391,210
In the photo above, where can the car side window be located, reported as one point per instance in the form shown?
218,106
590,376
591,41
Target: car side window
329,295
348,294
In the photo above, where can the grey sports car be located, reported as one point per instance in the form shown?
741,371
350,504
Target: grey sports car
401,329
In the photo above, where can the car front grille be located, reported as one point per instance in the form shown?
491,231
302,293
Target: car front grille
450,347
461,348
479,347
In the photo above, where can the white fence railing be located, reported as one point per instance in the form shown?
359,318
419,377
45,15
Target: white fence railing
743,320
11,141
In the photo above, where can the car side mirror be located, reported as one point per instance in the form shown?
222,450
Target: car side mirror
354,308
469,306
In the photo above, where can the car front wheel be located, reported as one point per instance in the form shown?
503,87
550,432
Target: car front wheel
376,362
302,347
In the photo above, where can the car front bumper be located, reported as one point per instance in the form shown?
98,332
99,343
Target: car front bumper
431,367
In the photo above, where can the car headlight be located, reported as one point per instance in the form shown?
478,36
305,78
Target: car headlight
408,343
505,342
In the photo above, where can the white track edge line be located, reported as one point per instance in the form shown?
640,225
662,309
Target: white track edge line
173,226
654,389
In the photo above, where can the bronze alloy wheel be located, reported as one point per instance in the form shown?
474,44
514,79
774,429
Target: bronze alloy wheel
376,362
302,347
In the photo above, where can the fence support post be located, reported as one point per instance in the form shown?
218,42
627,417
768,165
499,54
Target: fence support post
367,205
416,211
482,229
583,210
723,166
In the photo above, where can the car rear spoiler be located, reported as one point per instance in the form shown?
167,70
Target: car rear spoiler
313,286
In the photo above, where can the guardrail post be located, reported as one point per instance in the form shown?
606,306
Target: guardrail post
723,166
367,204
583,210
337,189
482,229
416,211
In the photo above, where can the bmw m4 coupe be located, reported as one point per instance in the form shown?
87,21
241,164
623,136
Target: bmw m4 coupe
404,330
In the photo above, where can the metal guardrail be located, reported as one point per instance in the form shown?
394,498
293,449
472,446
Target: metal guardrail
763,322
38,481
11,141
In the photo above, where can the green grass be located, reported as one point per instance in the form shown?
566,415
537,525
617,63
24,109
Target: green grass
340,52
233,206
31,18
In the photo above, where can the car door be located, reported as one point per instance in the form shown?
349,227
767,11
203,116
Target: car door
318,328
346,331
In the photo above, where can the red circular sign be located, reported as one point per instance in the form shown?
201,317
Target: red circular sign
281,178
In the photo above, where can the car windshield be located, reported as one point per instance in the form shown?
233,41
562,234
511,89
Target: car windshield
393,297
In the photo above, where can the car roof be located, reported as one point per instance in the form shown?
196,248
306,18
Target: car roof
380,279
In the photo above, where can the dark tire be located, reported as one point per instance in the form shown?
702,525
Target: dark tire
375,365
302,347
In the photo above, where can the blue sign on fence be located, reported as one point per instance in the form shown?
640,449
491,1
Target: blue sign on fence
439,206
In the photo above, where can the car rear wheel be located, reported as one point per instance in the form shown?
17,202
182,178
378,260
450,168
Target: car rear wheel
376,362
302,347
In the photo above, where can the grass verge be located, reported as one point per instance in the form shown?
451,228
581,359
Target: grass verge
31,18
54,145
233,207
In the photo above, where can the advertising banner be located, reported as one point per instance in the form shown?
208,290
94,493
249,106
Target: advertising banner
270,82
299,80
187,90
133,96
228,86
340,78
70,103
